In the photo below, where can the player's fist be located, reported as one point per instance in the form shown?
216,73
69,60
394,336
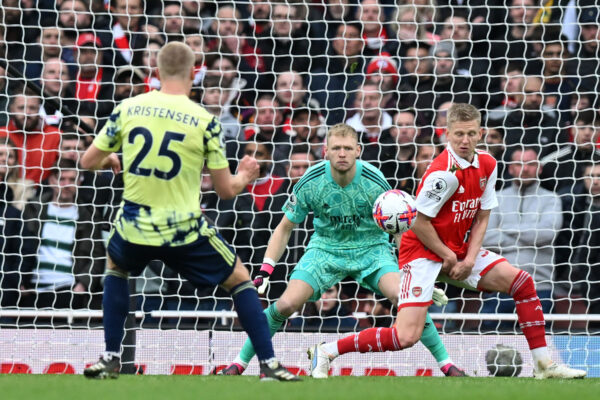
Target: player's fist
112,162
261,282
249,166
439,297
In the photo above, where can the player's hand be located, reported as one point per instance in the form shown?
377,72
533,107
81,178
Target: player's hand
439,297
261,282
249,167
448,263
112,162
461,271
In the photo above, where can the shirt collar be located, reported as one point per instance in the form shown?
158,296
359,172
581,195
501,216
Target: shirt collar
462,163
356,178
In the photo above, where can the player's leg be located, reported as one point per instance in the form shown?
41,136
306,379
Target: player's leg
505,278
122,257
297,293
389,284
415,294
210,260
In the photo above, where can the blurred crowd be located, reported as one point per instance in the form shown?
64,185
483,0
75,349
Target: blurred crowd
277,74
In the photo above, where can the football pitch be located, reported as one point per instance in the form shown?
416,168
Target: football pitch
50,387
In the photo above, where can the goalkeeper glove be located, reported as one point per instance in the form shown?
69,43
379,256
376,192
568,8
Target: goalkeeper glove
261,282
439,297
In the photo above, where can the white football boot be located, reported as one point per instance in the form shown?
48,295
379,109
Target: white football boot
320,360
558,371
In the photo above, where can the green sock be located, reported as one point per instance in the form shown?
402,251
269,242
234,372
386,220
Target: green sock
431,339
275,320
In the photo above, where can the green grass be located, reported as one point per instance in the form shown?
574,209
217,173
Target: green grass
49,387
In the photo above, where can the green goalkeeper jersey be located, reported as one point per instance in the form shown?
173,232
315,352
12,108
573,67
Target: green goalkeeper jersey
165,139
342,215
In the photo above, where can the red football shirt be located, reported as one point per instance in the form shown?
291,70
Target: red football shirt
451,192
37,151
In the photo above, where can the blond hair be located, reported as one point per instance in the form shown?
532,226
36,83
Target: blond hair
175,60
342,130
462,112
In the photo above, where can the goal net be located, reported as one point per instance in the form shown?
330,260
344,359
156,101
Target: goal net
278,74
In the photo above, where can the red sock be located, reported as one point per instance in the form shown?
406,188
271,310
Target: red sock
529,310
372,339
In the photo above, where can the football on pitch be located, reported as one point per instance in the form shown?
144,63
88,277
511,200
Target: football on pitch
395,211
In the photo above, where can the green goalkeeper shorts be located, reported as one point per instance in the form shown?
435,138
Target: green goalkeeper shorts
322,269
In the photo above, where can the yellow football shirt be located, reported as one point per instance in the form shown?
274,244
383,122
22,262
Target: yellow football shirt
165,141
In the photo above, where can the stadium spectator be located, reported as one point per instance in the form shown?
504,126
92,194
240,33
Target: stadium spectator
327,312
280,46
337,13
493,143
129,81
416,78
268,121
58,91
147,61
564,167
338,74
394,155
17,250
228,38
17,191
512,82
259,20
37,142
290,92
531,123
307,127
128,36
523,228
376,32
217,98
3,97
408,27
69,244
383,71
94,79
448,84
74,18
370,119
560,82
172,21
428,148
196,43
577,244
48,47
588,53
250,223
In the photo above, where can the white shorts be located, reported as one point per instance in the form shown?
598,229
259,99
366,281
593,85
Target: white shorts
420,275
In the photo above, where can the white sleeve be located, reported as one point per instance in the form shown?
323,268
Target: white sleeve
488,198
437,188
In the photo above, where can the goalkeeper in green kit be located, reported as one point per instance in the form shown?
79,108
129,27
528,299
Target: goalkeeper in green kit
346,243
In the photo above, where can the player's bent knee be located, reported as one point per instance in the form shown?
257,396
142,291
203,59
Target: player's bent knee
286,306
240,274
408,337
113,269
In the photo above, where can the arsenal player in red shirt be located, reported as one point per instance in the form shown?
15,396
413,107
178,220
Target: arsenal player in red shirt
454,201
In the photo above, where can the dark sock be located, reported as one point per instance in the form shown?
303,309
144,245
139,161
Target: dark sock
116,306
253,319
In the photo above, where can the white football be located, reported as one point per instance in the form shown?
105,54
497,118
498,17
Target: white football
394,211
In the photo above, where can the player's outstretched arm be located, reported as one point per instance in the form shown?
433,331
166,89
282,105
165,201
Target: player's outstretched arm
427,234
277,244
228,186
95,159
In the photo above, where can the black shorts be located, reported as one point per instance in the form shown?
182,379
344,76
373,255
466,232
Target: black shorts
206,262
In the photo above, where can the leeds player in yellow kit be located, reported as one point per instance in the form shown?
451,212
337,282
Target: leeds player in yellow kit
165,140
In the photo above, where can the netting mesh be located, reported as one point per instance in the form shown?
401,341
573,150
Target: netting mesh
277,74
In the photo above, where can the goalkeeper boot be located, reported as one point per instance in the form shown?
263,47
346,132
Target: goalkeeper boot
231,369
558,371
271,370
106,367
320,361
453,370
